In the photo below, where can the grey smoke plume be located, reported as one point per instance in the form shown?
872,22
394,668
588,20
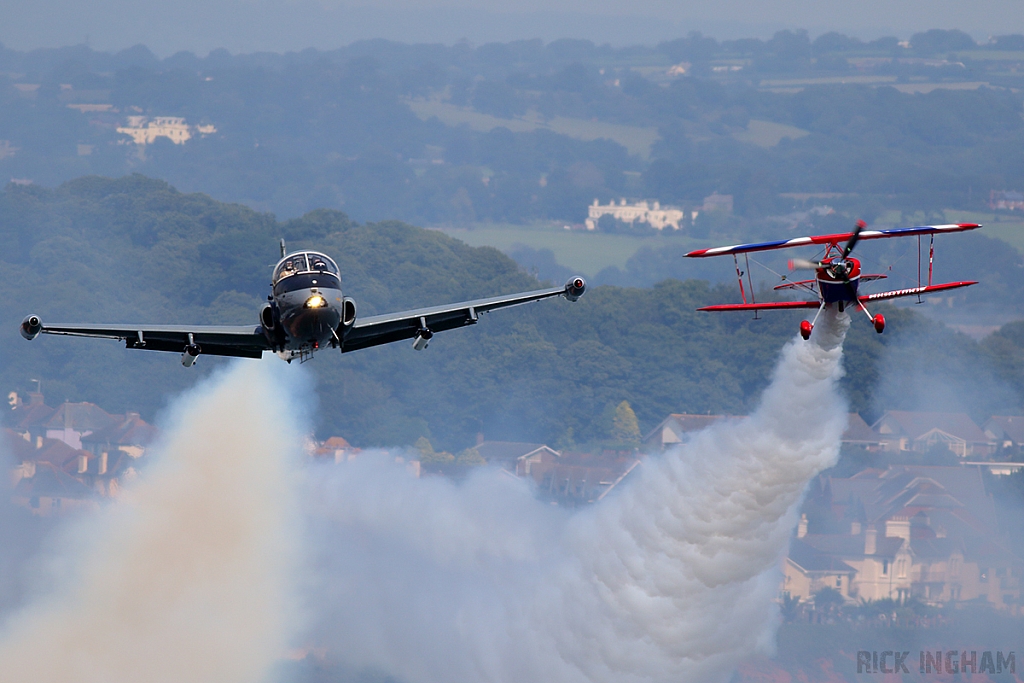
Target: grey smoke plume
186,576
672,578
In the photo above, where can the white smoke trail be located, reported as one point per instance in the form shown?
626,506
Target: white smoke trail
185,577
670,579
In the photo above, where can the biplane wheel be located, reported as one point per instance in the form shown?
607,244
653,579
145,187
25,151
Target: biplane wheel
879,322
805,329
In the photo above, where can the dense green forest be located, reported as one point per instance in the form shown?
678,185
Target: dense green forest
523,131
135,249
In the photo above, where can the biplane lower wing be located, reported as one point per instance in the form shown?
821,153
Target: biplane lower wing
879,296
766,306
914,291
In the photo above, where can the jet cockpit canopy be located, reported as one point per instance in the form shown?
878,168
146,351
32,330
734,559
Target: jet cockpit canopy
314,267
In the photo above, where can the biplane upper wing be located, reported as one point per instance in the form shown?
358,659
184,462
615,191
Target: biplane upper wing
832,239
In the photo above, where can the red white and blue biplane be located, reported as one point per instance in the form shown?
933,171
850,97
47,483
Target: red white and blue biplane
837,275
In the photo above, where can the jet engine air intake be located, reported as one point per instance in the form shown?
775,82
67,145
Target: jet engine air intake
574,288
31,326
267,317
348,312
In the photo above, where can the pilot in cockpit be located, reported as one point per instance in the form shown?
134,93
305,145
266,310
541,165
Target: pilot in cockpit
318,264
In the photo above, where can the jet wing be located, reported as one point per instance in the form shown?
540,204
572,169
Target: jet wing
391,327
244,341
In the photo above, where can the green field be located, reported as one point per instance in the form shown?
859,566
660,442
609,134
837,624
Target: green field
636,139
585,252
768,134
1010,229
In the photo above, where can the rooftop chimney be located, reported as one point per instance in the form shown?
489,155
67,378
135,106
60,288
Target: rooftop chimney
870,540
801,528
35,398
898,527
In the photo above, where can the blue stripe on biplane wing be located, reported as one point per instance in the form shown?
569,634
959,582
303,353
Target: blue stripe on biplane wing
833,239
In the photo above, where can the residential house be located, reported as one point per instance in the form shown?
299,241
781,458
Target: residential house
909,531
860,435
1007,431
902,430
52,491
47,474
677,428
336,448
1006,200
515,456
807,570
28,419
579,478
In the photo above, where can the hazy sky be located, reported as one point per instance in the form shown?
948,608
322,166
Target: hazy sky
279,25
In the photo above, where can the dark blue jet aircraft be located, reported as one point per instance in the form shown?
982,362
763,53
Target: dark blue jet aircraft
306,311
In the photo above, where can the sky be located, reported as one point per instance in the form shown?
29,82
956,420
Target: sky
199,26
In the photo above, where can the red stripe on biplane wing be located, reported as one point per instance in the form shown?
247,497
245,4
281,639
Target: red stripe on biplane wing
833,239
762,307
914,291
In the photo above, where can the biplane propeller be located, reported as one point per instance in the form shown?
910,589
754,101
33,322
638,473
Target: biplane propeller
837,274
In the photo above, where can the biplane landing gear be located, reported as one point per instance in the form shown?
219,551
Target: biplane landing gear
878,321
805,329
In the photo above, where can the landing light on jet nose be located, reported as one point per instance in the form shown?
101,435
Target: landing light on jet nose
315,301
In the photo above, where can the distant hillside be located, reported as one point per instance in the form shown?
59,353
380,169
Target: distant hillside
135,249
529,130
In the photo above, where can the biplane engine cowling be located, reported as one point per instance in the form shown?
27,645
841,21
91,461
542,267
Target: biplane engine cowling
31,326
574,288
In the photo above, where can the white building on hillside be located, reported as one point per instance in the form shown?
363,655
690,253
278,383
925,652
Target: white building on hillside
659,217
144,130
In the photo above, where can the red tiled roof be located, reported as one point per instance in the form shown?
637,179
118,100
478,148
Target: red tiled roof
131,430
80,417
52,451
52,481
29,415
